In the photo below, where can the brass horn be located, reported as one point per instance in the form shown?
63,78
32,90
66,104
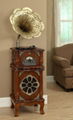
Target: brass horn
26,23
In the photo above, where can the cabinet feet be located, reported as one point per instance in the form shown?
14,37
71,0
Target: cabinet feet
16,105
16,110
42,107
12,105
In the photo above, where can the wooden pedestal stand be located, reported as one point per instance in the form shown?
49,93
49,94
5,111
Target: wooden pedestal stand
27,78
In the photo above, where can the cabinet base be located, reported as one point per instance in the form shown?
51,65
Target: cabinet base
17,103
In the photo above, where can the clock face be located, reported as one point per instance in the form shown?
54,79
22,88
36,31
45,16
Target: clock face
29,85
29,61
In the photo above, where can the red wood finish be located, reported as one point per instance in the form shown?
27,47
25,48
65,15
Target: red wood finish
20,72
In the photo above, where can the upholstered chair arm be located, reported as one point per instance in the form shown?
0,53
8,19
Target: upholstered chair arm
63,62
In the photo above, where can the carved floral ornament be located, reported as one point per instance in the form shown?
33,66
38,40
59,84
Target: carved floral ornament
26,23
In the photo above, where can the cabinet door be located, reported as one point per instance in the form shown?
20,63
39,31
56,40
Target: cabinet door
29,84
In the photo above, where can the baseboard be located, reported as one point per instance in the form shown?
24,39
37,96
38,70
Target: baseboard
6,101
50,78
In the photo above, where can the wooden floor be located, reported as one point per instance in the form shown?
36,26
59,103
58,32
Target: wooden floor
60,107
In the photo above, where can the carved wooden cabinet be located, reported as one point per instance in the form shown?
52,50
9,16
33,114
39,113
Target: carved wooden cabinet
27,78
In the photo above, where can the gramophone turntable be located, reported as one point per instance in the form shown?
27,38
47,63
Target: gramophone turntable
27,77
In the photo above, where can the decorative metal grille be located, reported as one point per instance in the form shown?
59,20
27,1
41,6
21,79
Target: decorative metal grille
29,85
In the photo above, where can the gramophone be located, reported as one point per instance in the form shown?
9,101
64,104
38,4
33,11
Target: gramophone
26,23
27,62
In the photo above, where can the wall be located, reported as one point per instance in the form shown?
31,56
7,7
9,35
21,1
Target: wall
50,34
8,37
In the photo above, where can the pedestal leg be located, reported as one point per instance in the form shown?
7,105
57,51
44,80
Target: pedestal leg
42,107
16,110
12,105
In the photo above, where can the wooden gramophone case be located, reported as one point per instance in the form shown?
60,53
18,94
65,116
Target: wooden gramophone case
27,77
